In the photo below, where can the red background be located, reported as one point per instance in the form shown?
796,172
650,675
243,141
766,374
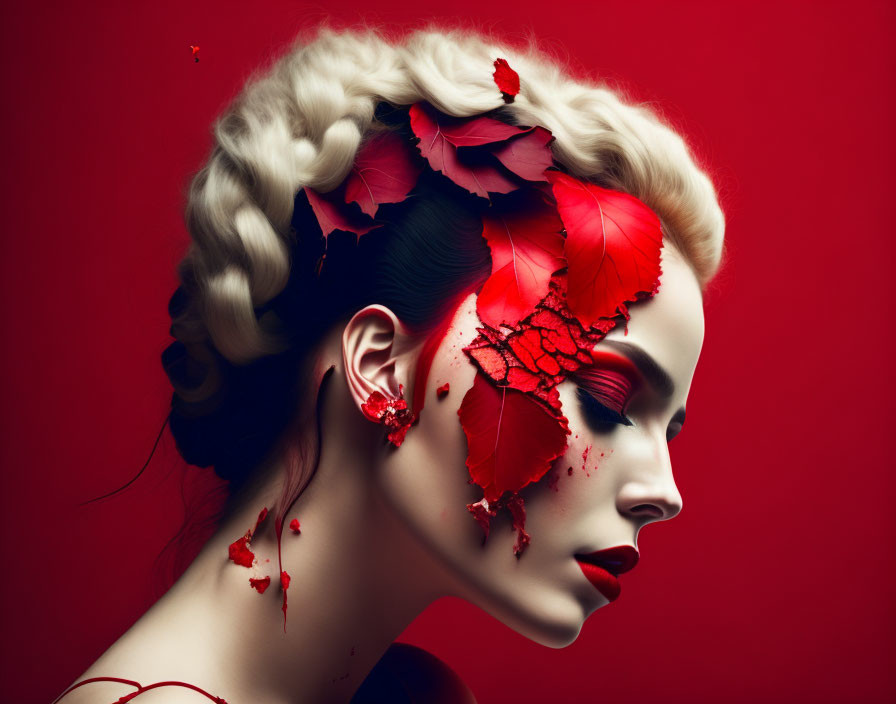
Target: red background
776,582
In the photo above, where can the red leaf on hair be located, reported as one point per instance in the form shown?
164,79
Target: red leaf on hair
442,391
385,171
527,248
441,135
333,213
511,438
613,243
528,155
507,80
294,526
240,553
260,584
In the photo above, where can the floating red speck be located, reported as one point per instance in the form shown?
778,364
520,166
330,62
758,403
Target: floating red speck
442,391
294,526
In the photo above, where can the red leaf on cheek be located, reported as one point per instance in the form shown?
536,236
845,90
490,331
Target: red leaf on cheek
260,584
385,171
511,438
507,80
240,553
526,248
613,243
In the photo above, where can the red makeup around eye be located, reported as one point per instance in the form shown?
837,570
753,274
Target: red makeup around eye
612,379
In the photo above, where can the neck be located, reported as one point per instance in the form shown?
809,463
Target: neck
358,579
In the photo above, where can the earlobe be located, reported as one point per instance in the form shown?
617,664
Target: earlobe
371,352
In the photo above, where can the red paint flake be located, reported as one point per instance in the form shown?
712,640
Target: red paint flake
294,526
517,509
239,551
483,514
585,459
569,471
194,51
442,391
260,584
284,583
507,80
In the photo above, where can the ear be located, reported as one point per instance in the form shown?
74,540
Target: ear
376,353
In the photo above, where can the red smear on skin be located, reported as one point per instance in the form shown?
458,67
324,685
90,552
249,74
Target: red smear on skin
511,439
463,149
261,516
260,585
483,514
239,551
526,248
613,243
585,460
553,481
294,526
284,583
385,170
442,391
507,80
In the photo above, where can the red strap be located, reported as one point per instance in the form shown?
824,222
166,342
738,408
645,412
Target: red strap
140,689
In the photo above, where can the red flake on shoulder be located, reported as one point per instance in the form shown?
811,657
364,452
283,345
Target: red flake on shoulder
442,391
239,551
294,526
260,585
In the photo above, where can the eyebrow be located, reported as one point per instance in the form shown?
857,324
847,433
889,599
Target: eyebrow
656,376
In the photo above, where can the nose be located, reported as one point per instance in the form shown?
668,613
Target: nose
650,493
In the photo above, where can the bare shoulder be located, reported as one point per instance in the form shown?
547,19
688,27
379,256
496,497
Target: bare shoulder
407,674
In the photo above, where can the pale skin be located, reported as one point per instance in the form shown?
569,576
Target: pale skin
386,531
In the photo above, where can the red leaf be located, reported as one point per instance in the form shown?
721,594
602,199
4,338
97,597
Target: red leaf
294,526
260,584
506,78
527,248
333,214
440,135
442,391
385,171
240,553
511,439
613,243
528,155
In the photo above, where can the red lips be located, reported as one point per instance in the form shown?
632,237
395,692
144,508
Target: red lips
601,568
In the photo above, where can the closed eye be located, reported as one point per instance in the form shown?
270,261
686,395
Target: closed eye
675,425
599,416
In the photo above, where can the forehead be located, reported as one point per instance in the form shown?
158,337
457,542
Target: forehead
669,326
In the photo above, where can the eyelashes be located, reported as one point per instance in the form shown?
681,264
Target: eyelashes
604,394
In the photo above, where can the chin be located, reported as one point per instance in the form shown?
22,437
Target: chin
553,623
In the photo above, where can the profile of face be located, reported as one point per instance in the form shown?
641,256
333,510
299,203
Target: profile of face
614,478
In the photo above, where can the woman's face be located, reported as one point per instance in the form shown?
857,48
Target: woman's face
613,479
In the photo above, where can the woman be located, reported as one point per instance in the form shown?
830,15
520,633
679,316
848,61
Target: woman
437,323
